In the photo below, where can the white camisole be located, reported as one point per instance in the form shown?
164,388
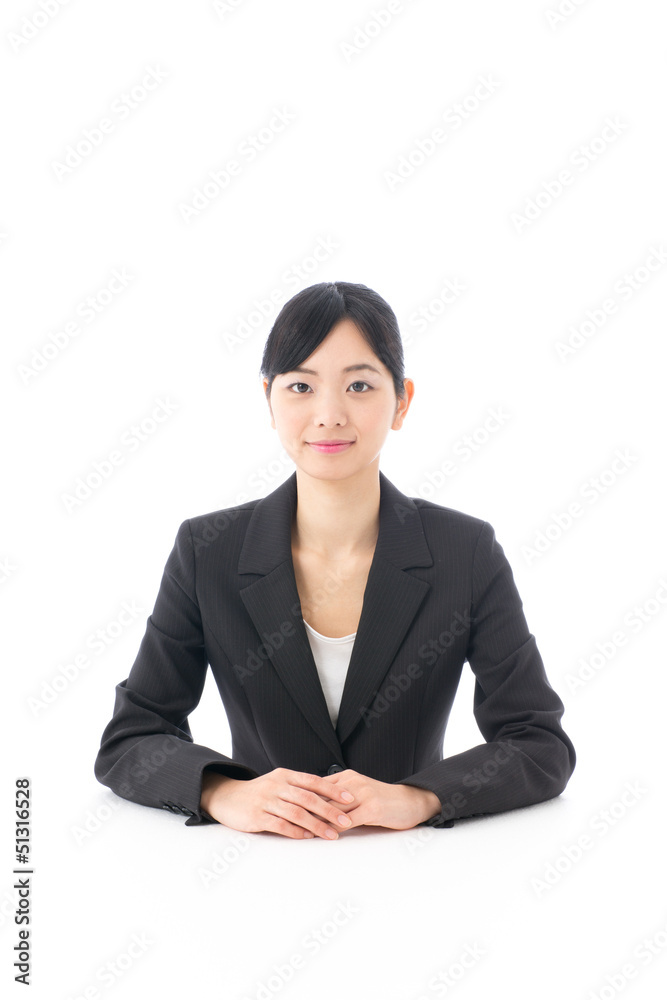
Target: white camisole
332,658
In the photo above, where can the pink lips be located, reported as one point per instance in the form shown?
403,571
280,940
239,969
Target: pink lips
330,447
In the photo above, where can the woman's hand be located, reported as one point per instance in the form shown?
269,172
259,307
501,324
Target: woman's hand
292,803
300,805
378,803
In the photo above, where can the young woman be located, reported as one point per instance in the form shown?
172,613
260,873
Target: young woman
336,614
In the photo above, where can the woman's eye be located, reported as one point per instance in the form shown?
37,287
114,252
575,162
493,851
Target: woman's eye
296,387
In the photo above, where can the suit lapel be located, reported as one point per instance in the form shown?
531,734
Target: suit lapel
391,601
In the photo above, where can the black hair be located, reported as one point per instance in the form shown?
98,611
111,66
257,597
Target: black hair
306,319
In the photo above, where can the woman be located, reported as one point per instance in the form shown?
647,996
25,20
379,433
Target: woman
336,614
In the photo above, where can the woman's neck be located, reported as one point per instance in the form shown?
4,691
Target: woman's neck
337,519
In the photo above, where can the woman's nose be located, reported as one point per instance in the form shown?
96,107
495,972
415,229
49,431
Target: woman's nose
329,409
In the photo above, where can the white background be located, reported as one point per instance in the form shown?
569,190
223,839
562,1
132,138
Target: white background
106,869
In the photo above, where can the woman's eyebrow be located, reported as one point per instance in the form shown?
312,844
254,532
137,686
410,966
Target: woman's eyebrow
350,368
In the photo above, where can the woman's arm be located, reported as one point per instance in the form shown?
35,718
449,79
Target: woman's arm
147,753
527,758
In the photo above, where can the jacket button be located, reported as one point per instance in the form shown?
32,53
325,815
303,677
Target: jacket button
334,768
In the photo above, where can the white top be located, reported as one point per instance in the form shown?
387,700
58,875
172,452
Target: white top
332,658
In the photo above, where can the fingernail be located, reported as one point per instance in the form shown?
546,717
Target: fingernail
308,834
347,796
331,834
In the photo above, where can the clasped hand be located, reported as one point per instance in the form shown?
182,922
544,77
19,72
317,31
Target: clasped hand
300,805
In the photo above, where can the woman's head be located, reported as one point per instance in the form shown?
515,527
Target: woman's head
306,319
333,372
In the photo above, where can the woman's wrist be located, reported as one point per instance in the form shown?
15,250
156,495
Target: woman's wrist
430,804
211,781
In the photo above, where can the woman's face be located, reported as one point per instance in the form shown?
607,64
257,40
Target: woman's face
327,403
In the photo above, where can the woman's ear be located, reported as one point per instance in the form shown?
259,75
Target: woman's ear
265,383
403,403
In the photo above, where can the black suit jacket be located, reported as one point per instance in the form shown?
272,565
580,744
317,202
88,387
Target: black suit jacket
440,591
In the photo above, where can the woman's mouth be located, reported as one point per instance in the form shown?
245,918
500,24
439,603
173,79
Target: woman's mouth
330,447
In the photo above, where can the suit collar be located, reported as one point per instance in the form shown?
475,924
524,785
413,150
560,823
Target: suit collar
268,538
391,602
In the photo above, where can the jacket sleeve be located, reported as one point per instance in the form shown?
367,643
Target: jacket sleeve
527,758
147,754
